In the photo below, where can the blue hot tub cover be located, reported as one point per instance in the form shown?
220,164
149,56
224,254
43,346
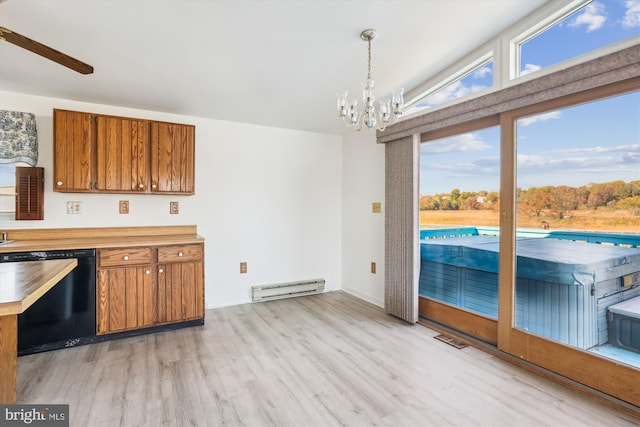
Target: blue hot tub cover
550,260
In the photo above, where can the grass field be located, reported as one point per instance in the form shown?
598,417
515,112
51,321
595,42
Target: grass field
619,221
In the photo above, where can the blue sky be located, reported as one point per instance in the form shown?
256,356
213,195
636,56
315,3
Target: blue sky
595,142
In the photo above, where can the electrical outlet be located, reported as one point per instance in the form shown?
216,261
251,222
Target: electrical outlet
124,206
74,208
376,207
243,267
373,267
174,208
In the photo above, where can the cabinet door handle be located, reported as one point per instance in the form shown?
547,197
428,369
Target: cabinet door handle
180,254
147,272
154,186
126,257
161,270
141,186
59,183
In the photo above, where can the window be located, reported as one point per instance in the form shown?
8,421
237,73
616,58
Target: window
559,32
582,29
476,77
7,188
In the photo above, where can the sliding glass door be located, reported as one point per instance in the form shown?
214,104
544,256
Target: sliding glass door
459,230
530,234
578,217
569,294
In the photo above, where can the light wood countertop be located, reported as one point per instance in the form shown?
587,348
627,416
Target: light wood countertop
97,238
23,283
98,242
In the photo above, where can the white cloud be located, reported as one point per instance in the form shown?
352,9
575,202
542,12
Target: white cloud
455,90
540,118
529,68
481,72
457,143
593,17
593,162
531,161
631,17
546,164
628,149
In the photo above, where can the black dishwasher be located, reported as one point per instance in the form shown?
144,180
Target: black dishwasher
65,316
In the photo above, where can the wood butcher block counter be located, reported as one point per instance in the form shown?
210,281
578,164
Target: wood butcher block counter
22,284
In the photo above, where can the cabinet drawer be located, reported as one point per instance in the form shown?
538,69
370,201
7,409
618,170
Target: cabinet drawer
123,257
180,253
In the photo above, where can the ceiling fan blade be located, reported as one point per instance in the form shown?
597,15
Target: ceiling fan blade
46,51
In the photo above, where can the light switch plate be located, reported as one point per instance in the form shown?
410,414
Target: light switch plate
174,208
124,206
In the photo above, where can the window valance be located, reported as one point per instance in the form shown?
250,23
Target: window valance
18,137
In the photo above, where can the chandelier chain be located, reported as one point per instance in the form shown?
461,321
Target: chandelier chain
369,61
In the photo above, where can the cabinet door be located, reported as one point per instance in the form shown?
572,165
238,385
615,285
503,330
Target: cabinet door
124,299
180,292
172,158
73,151
122,154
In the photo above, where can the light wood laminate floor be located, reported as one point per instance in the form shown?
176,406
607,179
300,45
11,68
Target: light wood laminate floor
323,360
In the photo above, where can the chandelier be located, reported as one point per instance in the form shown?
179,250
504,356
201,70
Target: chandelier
390,110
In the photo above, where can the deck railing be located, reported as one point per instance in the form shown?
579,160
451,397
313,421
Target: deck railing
615,239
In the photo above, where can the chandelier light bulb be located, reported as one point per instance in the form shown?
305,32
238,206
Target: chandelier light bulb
390,110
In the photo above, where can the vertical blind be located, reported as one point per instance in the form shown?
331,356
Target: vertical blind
402,266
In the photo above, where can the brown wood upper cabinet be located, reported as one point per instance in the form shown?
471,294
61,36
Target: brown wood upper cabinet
122,154
110,154
73,151
172,158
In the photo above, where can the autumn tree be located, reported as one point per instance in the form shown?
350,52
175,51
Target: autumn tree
534,200
630,203
454,199
582,196
601,194
561,199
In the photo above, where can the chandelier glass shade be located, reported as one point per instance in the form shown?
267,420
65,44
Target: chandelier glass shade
389,110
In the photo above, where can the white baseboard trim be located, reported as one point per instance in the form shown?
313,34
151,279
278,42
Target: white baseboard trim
376,301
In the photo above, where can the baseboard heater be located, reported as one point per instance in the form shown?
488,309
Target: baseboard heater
286,290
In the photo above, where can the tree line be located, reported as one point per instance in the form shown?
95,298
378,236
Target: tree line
555,200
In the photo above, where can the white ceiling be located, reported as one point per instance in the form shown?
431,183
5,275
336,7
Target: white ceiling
274,63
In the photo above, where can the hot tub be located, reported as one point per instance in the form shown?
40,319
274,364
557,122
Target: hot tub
563,288
624,324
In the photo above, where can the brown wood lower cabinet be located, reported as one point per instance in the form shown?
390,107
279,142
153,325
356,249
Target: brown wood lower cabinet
142,287
125,299
179,292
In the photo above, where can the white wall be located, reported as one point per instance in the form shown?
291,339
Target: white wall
363,230
268,196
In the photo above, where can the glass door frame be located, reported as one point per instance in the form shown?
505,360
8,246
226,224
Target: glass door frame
600,373
471,323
